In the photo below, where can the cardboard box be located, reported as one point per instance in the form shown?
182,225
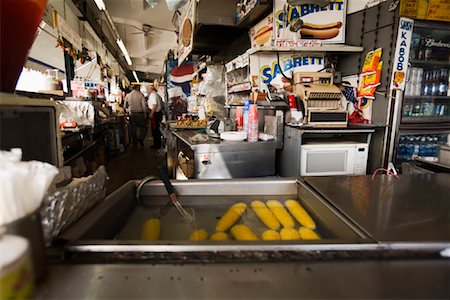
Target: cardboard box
309,21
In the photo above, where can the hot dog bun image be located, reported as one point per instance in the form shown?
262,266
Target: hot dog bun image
263,35
320,31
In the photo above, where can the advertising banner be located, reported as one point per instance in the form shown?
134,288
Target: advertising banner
186,36
261,34
309,22
401,60
266,68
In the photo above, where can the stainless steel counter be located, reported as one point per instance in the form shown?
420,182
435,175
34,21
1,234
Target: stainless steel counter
415,207
361,255
374,279
221,159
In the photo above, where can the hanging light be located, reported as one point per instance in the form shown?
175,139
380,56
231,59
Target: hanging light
152,3
135,76
100,4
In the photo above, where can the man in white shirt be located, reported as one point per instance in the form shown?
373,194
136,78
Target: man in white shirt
137,109
155,105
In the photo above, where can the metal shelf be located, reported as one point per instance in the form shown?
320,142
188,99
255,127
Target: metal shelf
425,120
322,48
256,14
430,63
428,97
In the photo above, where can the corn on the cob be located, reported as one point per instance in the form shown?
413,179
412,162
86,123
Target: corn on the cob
280,213
308,234
198,235
271,235
231,216
289,234
243,233
219,236
300,214
151,230
265,215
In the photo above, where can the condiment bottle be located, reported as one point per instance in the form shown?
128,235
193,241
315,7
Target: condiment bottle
253,126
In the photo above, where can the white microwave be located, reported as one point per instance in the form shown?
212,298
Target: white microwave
325,159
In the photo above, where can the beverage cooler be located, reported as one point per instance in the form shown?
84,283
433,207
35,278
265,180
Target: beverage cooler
423,113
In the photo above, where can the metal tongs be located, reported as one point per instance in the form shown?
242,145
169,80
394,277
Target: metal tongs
187,216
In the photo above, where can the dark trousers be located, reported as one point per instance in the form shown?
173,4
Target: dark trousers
156,131
138,126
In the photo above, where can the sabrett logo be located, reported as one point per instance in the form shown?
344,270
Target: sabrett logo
268,73
296,12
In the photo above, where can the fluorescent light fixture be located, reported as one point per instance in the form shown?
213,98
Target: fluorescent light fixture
124,51
100,4
135,76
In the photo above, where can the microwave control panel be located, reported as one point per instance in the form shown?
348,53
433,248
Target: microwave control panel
361,156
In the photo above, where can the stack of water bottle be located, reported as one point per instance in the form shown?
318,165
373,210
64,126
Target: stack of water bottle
424,146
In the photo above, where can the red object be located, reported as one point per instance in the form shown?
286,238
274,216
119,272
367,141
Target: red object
239,118
19,20
67,124
253,126
292,101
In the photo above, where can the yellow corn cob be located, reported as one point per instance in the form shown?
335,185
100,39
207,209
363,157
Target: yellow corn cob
198,235
280,213
308,234
300,214
219,236
243,233
151,230
231,216
270,235
289,234
265,215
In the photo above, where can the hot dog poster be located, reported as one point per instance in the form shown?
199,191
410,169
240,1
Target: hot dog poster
262,33
268,69
309,21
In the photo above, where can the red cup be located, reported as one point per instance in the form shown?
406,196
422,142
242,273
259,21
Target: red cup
19,20
292,101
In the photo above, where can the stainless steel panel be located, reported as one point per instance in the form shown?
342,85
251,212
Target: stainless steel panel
235,164
209,199
375,279
415,207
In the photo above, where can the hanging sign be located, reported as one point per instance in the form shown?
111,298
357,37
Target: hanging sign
186,35
401,60
309,21
265,68
435,10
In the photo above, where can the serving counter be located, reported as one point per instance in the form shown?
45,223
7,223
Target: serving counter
381,238
219,159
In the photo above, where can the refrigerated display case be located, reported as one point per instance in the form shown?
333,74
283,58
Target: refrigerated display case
424,117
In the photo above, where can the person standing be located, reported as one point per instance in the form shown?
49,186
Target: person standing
155,105
135,102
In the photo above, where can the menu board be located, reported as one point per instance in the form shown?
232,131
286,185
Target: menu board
309,21
435,10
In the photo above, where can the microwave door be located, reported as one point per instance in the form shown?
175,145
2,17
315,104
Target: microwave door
327,162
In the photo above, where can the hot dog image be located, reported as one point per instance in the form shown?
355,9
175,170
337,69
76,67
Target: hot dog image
263,35
319,31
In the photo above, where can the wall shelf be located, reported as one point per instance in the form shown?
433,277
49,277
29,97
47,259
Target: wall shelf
322,48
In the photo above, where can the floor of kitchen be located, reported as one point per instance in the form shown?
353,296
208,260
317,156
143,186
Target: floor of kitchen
135,163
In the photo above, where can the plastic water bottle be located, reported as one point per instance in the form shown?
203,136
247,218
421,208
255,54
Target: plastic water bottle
253,125
246,110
